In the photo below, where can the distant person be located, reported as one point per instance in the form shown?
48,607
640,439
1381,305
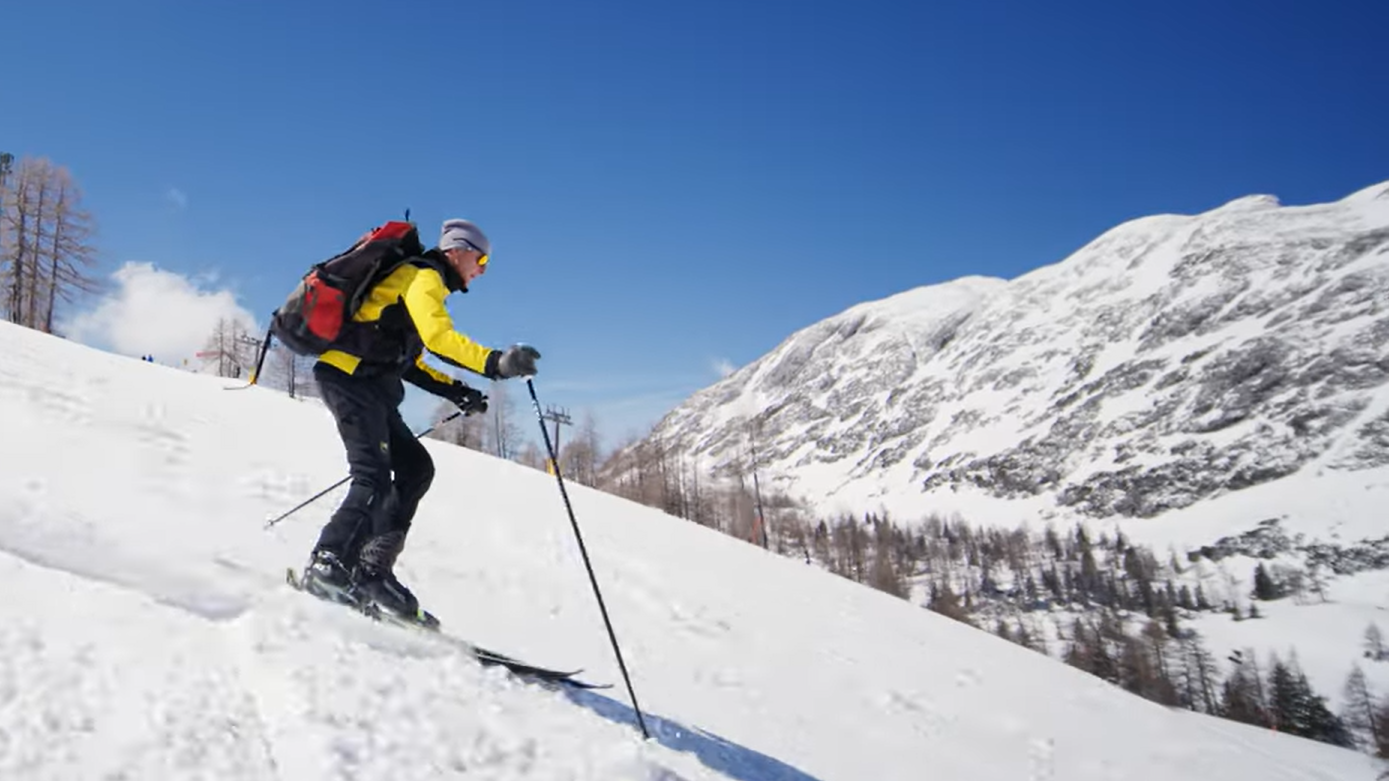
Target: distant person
354,558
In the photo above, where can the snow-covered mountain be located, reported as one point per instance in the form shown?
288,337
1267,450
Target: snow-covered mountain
1173,360
146,632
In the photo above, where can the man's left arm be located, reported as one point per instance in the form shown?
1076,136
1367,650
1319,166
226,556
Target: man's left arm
430,379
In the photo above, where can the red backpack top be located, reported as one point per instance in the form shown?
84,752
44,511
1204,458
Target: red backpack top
312,318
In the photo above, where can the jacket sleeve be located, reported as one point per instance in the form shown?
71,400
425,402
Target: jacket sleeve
424,300
427,378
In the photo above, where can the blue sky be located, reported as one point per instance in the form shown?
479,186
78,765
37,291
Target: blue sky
672,188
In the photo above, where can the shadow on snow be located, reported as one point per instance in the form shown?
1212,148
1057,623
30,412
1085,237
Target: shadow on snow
728,758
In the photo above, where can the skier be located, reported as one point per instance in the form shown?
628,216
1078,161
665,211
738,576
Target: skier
362,385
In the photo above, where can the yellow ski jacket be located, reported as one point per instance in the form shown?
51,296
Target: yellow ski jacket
402,316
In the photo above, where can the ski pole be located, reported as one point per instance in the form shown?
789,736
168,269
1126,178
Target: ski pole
593,580
325,491
260,362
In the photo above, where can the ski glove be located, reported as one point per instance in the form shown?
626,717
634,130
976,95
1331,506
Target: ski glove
469,399
519,359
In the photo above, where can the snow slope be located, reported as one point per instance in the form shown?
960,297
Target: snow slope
145,631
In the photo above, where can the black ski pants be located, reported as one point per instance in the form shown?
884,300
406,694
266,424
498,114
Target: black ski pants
389,467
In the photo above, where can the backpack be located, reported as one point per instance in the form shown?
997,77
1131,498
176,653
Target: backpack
313,317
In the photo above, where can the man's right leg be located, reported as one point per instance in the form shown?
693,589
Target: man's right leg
414,471
363,424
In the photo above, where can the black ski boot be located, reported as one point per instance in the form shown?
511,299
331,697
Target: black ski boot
377,588
326,577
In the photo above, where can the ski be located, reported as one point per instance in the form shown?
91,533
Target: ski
429,625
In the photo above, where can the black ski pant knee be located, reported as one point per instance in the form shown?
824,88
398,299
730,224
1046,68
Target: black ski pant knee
390,469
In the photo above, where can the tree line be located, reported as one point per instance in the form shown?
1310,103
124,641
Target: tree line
1130,607
1129,622
232,350
46,251
498,432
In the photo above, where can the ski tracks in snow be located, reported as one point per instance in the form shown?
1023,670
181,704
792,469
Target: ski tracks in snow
80,700
348,698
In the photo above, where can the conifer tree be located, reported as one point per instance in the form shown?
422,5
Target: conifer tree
1382,719
1001,629
1109,640
1286,704
1201,602
1029,590
1052,581
1184,598
947,603
1053,543
1265,587
1139,674
1242,693
887,574
1028,640
1360,711
1199,675
1078,653
1374,643
1297,710
1161,688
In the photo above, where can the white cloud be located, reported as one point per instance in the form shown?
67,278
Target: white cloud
156,312
177,198
724,367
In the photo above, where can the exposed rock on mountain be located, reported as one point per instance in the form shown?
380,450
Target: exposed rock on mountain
1172,359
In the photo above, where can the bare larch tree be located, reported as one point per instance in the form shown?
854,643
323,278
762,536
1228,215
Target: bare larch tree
46,254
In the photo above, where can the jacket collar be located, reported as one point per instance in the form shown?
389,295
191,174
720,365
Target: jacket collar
451,279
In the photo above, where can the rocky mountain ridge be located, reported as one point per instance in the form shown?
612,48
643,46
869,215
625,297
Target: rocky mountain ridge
1173,359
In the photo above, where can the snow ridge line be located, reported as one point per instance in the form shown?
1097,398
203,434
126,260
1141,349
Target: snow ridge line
76,547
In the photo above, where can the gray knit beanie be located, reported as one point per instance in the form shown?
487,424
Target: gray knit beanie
460,233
